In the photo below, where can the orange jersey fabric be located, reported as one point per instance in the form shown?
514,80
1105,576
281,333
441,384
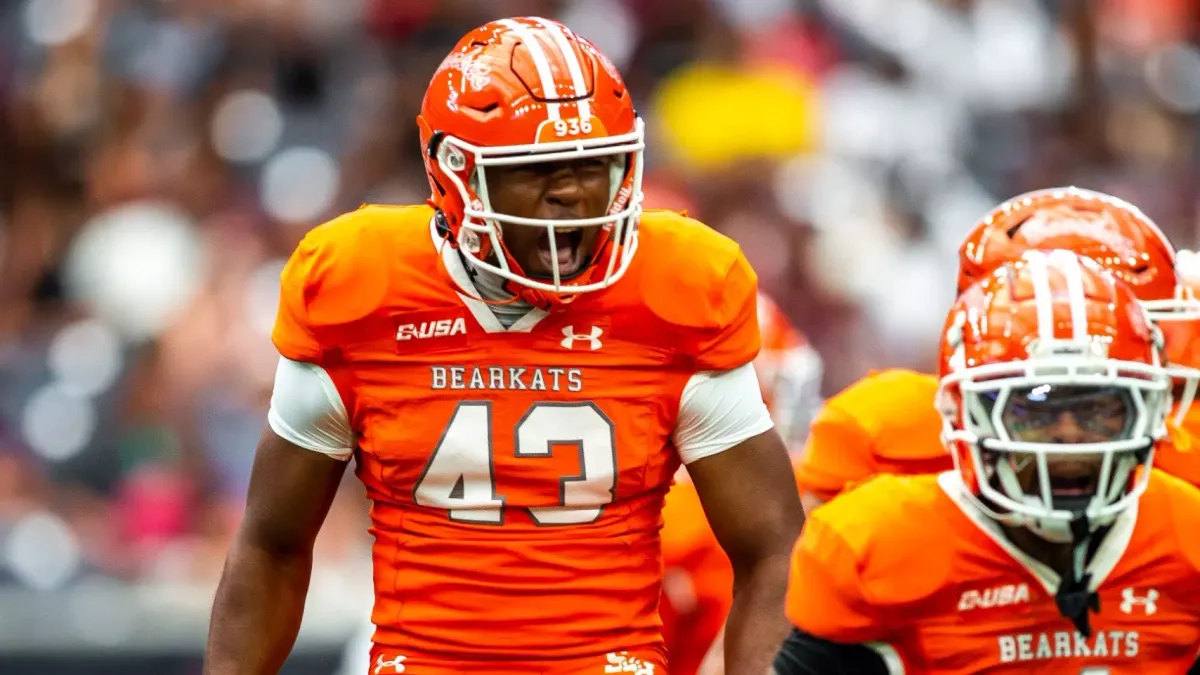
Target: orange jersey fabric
698,580
516,476
884,423
905,562
388,661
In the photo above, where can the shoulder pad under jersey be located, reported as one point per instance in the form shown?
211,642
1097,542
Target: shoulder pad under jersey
342,270
891,526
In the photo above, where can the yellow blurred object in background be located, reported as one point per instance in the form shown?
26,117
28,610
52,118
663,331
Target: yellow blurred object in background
712,115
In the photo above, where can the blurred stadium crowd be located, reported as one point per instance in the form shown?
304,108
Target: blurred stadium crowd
160,158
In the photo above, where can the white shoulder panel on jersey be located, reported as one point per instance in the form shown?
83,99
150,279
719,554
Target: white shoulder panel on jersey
306,409
718,410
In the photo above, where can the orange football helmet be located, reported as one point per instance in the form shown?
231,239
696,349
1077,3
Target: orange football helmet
1179,320
521,91
1047,340
1111,231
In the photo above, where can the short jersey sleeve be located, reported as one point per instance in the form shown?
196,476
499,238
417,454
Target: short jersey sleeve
734,304
883,423
293,335
338,273
825,595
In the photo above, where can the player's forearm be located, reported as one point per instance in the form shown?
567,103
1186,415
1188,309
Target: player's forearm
257,611
756,625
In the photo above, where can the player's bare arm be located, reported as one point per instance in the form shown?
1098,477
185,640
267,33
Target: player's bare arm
260,599
754,509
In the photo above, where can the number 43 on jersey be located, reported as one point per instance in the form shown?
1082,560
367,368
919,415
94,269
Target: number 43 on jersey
460,476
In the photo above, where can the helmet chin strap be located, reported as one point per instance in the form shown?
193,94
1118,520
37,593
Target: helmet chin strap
1074,596
489,288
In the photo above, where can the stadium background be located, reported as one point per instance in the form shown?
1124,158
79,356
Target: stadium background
160,158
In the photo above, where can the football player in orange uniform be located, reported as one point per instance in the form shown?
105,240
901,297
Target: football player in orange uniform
886,423
883,423
518,369
1179,319
1053,548
697,575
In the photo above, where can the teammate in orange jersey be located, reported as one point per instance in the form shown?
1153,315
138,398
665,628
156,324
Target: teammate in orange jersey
1121,238
1179,319
697,576
887,423
1053,548
883,423
518,369
789,373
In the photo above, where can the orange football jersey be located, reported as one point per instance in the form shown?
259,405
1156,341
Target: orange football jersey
908,564
517,475
884,423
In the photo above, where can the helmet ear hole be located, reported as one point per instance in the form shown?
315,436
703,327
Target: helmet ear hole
451,157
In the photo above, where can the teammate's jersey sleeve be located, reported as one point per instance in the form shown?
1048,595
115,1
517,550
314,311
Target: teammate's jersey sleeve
837,452
717,411
733,304
825,596
885,422
870,557
307,410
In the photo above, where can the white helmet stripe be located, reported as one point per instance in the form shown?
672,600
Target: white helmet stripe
540,62
1043,298
1069,263
573,67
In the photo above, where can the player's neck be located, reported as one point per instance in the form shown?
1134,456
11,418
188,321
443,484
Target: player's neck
1058,557
491,287
1055,556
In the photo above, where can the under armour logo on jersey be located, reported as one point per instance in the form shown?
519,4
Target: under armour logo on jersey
1149,602
396,664
570,337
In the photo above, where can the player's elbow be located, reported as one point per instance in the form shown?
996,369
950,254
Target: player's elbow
277,543
760,568
766,557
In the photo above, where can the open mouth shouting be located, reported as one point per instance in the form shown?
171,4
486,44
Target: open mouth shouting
567,253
